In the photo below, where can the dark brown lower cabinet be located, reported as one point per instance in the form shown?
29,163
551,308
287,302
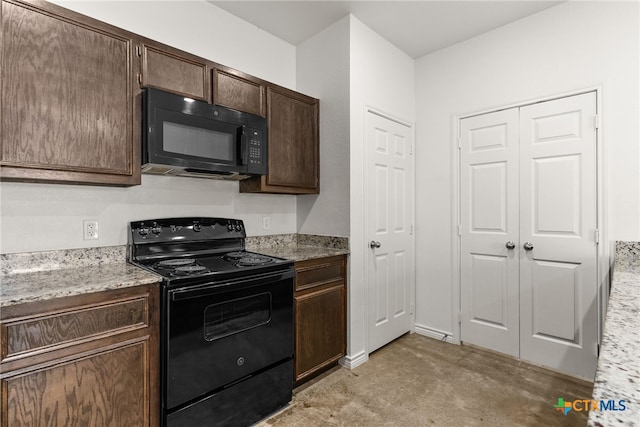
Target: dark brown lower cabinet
84,360
320,315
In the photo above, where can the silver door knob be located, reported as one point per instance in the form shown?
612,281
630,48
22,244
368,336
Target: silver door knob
527,246
373,244
510,245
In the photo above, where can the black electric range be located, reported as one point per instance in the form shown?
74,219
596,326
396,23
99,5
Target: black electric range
226,321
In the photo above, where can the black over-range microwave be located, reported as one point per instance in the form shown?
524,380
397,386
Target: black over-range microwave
186,137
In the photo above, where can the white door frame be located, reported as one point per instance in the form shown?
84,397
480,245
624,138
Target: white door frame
367,187
604,250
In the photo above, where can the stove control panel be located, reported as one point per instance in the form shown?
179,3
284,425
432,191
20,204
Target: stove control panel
185,230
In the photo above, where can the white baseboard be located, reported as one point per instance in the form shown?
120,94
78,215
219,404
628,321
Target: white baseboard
433,333
354,361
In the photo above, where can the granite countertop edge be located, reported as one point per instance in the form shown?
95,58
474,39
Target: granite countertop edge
618,372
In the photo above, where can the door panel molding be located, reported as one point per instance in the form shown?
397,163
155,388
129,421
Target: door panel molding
389,222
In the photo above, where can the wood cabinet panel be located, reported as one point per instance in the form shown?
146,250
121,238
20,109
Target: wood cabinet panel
82,360
309,274
38,333
293,143
320,338
67,100
166,69
105,389
238,91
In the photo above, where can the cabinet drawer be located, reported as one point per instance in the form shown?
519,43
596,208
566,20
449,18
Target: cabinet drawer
52,330
319,272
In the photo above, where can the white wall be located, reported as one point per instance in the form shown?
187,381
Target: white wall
382,77
571,46
323,72
36,217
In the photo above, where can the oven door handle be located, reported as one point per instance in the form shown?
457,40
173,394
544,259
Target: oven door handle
211,288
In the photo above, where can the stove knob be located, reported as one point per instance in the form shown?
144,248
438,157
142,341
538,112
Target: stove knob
143,231
238,227
229,227
197,226
156,229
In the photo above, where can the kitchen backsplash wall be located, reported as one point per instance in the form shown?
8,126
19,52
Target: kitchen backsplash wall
42,217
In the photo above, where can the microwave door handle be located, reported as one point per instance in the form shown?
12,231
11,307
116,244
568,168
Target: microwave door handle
243,145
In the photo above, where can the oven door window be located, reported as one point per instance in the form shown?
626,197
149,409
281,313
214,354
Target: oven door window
230,317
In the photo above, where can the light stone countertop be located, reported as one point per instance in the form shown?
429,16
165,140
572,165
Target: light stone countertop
43,285
298,247
297,252
618,373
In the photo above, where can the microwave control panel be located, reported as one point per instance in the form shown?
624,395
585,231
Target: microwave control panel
256,152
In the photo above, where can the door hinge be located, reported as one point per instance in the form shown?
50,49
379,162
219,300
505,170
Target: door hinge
459,230
459,318
411,308
596,121
138,51
459,143
596,236
140,78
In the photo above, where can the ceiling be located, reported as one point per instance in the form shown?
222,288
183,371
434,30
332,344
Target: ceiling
415,27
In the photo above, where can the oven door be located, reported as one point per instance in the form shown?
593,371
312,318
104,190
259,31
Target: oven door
221,333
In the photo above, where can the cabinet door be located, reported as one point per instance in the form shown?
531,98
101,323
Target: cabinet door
104,389
238,91
320,329
169,69
67,107
294,159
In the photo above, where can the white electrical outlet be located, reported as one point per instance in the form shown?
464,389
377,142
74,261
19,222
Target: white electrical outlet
266,222
90,229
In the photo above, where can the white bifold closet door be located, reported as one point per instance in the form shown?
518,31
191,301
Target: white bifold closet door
528,233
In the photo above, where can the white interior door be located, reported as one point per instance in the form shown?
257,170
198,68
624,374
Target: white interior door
528,177
489,231
558,277
389,225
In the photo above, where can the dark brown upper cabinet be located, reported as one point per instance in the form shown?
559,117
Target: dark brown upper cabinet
237,90
172,70
68,103
71,112
294,158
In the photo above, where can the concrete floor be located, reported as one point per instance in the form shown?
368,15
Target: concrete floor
419,381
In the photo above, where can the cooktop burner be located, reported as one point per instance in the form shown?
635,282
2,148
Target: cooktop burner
190,269
254,259
188,251
169,263
246,259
